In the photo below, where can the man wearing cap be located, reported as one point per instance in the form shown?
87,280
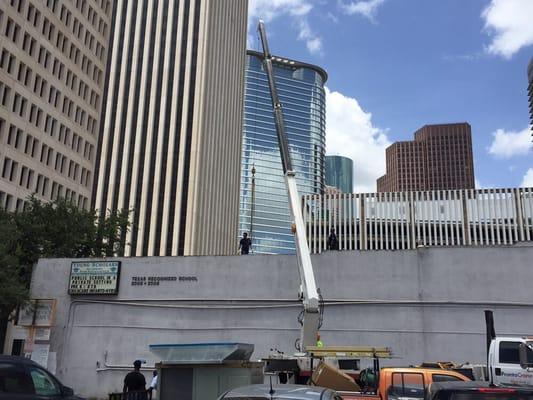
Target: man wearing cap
135,382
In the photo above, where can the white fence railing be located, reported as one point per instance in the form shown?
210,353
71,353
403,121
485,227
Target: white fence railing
405,220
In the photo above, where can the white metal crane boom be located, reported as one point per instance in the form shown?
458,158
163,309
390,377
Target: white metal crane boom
308,290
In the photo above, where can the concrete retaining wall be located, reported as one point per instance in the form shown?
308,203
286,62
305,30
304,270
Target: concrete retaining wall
426,304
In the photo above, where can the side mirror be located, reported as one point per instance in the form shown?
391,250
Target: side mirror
525,361
66,391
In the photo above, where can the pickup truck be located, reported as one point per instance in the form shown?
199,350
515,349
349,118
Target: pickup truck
507,366
504,360
402,383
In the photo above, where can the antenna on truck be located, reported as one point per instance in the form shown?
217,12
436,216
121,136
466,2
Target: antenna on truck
490,335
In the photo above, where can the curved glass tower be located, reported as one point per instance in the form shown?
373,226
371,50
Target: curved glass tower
339,173
530,91
264,209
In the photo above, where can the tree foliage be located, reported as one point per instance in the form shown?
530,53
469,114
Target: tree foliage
60,229
13,276
57,229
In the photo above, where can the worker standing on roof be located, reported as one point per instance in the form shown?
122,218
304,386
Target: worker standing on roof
245,244
318,341
333,242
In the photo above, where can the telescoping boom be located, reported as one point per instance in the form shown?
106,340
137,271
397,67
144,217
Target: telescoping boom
308,290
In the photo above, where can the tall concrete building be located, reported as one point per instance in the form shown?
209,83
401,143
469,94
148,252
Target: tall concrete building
52,65
440,158
339,173
264,208
170,141
530,91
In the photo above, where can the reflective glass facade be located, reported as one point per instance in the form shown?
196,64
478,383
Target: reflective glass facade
300,86
339,173
530,91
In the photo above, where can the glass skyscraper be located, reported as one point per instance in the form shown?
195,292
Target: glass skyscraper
264,209
530,91
339,173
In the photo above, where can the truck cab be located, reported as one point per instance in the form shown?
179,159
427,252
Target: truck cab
504,361
405,383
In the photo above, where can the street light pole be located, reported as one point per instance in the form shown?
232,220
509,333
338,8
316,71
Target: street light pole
252,210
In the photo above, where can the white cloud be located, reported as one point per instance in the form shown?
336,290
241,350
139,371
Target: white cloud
366,8
313,42
528,178
462,57
509,24
350,133
507,144
267,10
297,10
332,17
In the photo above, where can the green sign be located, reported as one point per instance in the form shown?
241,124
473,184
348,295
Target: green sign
94,277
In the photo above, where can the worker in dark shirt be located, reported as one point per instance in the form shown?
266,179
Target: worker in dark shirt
333,242
245,244
135,382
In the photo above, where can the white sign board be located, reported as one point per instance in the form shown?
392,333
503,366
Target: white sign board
94,277
37,312
44,312
25,317
42,334
40,354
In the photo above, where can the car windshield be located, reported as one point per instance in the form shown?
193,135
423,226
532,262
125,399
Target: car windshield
13,380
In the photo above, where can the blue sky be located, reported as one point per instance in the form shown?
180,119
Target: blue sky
396,65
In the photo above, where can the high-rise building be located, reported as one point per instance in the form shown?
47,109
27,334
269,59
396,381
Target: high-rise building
440,158
170,141
52,64
530,91
339,173
264,207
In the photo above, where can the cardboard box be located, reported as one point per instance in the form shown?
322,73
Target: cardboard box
333,378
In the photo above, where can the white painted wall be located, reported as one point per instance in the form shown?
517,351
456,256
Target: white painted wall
426,304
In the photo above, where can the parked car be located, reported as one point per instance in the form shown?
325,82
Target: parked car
23,379
280,392
475,390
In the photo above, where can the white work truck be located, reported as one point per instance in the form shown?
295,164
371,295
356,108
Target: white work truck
504,360
509,358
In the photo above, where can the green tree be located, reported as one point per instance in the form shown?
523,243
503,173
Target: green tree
14,278
111,234
57,229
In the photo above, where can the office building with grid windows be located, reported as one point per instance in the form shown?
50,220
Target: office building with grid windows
171,132
440,158
52,64
264,209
